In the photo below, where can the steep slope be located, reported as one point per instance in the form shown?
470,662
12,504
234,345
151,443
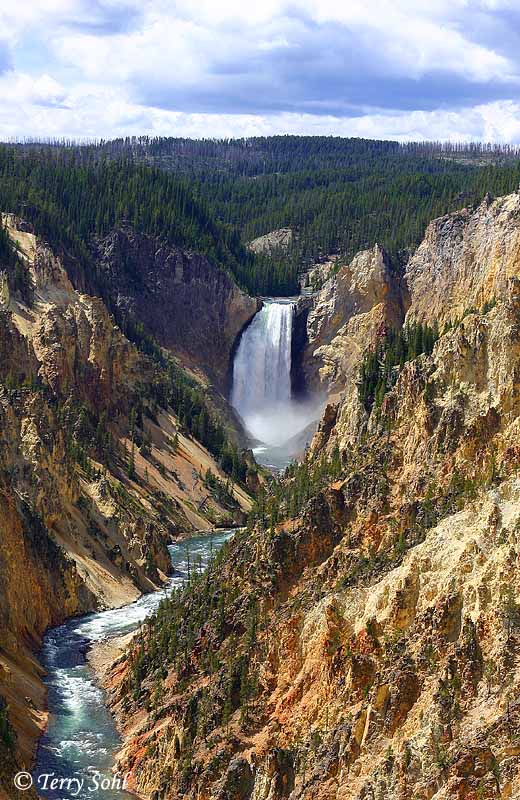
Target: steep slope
97,473
191,306
465,260
463,264
362,641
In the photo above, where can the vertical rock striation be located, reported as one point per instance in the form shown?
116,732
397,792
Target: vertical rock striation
191,306
345,317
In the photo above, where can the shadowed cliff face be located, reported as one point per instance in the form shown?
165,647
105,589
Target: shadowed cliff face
188,304
364,643
96,476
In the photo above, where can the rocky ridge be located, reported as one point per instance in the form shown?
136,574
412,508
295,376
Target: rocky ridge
463,263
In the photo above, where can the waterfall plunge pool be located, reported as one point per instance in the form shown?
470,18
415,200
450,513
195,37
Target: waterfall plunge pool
81,739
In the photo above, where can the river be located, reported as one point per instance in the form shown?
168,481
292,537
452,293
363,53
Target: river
81,738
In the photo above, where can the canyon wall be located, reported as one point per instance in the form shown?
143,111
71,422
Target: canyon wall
191,306
463,263
344,317
97,474
465,260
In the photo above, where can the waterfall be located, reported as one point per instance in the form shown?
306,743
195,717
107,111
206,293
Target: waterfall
261,390
262,368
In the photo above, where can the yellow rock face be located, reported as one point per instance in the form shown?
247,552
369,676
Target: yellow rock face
345,317
464,261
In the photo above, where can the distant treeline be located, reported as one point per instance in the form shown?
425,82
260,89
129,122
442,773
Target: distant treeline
258,151
338,195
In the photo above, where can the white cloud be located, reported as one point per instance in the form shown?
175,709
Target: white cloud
186,46
89,111
112,67
21,88
415,37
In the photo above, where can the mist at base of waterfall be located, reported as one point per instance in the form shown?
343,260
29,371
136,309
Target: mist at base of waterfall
278,425
281,434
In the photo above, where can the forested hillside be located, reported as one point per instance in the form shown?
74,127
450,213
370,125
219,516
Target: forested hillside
338,195
70,202
341,196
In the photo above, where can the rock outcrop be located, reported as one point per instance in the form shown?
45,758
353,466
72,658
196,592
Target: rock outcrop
463,264
465,261
345,317
272,242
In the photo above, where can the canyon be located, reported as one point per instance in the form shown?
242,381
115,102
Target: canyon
98,473
357,637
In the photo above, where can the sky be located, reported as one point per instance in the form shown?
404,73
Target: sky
402,69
